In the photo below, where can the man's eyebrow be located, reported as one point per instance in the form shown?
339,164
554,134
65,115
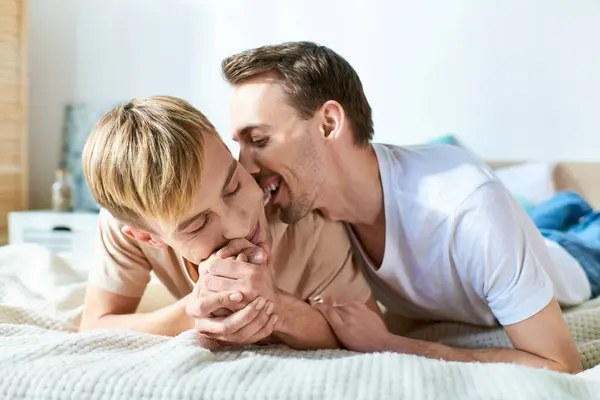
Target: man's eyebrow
249,128
230,173
183,225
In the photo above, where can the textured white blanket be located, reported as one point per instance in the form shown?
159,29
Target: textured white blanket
40,301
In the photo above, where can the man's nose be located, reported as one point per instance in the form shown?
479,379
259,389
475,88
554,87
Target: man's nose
235,223
246,158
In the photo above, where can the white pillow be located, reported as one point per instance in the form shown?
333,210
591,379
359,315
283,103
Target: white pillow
531,181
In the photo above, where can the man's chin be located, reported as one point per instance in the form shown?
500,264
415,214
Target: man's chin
292,214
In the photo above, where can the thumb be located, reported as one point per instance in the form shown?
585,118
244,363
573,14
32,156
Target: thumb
330,314
256,255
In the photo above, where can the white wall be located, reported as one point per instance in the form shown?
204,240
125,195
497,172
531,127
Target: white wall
103,51
513,79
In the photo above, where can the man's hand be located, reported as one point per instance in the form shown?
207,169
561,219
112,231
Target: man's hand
237,275
252,323
356,326
223,273
541,341
238,249
230,302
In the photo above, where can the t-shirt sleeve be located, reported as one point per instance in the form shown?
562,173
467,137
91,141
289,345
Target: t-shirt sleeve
499,249
333,268
119,265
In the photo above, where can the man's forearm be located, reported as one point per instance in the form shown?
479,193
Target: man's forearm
168,321
301,326
439,351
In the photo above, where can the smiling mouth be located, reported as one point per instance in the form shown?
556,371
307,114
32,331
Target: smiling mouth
270,188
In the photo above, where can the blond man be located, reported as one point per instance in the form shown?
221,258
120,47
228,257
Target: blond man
172,196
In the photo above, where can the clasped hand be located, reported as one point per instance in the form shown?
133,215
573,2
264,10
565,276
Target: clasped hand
234,300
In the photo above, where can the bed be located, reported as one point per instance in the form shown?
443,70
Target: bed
42,356
581,177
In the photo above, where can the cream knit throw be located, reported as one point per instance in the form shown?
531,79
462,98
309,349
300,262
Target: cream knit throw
40,300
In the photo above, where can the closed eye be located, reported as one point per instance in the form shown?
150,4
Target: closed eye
197,230
260,142
235,191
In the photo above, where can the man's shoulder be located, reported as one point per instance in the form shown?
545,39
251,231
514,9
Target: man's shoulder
414,163
109,224
111,230
435,176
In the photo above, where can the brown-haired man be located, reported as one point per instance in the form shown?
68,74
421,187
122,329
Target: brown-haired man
440,236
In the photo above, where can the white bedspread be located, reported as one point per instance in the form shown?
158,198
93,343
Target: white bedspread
40,301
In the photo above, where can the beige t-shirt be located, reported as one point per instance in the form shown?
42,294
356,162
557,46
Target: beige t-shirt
310,259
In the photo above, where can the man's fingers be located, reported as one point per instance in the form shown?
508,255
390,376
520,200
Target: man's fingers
232,306
252,331
345,312
234,247
203,266
331,314
199,307
208,343
254,254
230,268
247,287
214,283
222,312
226,326
355,306
263,332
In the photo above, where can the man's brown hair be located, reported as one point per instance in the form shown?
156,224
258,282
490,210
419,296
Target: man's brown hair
144,160
310,75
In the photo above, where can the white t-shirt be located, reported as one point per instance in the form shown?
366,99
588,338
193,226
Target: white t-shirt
458,246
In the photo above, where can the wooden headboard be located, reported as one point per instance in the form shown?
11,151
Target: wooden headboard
581,177
13,110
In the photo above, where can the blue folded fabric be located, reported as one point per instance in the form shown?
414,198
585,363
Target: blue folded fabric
570,221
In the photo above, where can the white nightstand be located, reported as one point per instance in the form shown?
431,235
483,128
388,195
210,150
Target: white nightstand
72,232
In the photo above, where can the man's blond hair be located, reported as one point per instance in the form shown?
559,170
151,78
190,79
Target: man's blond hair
143,161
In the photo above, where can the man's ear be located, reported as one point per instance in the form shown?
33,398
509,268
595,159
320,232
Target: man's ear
144,237
333,119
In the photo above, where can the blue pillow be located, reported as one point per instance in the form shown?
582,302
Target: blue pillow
446,139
